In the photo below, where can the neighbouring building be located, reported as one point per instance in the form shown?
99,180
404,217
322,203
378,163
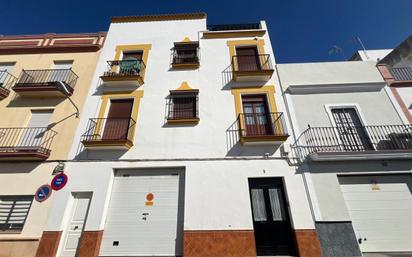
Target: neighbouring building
396,69
354,152
37,125
178,151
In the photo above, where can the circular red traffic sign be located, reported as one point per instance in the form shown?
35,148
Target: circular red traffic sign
59,181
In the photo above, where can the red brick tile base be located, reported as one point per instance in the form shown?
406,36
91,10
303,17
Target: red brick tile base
307,242
89,245
219,243
49,242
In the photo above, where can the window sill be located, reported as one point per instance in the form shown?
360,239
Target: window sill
183,121
194,65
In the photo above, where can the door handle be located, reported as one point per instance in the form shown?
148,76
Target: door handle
75,227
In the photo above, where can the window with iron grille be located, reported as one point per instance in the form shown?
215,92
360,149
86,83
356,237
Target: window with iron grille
13,212
186,53
183,105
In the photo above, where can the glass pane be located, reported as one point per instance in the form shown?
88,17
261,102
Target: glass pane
258,205
276,204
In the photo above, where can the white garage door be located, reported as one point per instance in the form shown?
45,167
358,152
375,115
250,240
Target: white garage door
380,208
144,218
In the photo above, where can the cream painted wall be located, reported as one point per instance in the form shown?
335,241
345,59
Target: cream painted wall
24,179
15,111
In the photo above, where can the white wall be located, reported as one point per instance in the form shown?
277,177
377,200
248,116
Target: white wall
154,138
216,192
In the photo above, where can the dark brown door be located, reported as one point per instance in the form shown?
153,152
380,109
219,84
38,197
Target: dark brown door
256,116
271,222
118,119
247,59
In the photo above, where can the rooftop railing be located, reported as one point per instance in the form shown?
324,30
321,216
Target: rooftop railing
225,27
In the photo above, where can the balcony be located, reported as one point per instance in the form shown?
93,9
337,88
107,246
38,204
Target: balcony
401,75
46,83
109,133
6,82
124,73
262,128
354,143
25,143
252,68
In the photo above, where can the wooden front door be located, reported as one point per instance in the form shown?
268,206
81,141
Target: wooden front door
256,116
351,131
271,222
247,59
118,119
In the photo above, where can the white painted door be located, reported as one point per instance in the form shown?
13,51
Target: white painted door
75,225
136,226
380,208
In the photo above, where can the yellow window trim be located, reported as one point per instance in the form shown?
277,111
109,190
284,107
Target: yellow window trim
141,47
268,90
232,44
136,95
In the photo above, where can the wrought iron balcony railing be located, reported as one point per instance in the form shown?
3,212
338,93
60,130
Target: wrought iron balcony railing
249,63
185,59
34,140
261,124
6,82
125,68
41,79
402,73
100,130
353,139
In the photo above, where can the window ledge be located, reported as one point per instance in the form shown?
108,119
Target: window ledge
194,65
183,121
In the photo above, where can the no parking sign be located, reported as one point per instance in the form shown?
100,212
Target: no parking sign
59,181
43,193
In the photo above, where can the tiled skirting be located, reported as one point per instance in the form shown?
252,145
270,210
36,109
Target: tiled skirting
89,245
307,243
49,243
227,243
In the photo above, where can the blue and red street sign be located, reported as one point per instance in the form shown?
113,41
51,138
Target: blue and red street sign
59,181
43,193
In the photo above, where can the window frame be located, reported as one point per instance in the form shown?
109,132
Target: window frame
15,198
181,94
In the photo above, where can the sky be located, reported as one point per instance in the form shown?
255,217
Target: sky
300,30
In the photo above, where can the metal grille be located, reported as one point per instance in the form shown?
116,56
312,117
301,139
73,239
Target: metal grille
101,129
34,139
128,67
329,140
402,73
258,62
183,106
262,124
40,78
14,211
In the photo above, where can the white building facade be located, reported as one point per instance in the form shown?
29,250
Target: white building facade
354,148
178,151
